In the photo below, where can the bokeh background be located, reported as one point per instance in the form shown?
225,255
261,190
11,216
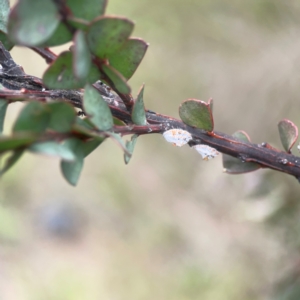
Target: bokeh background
169,225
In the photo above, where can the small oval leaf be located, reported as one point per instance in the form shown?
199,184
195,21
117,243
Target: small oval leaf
72,169
128,58
87,9
62,116
32,22
59,74
197,113
288,133
117,79
130,147
138,114
97,109
34,118
82,57
4,12
53,149
60,36
108,34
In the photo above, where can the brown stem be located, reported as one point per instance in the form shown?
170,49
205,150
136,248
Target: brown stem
45,53
267,157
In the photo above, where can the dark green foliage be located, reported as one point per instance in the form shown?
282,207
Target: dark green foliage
138,114
5,40
97,109
72,169
87,9
108,34
130,147
197,113
128,58
34,118
60,74
32,22
62,116
82,57
60,36
119,82
4,11
53,149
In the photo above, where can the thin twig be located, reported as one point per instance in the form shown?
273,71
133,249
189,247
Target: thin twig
261,154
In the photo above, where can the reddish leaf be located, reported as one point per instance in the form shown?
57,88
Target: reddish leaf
288,133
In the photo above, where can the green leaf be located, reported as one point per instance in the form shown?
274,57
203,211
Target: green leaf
234,165
242,136
15,141
130,147
108,34
97,108
82,57
88,9
117,79
89,146
59,74
4,12
34,118
128,58
11,160
4,39
197,113
3,107
62,116
32,22
60,36
288,133
118,122
72,169
53,149
138,114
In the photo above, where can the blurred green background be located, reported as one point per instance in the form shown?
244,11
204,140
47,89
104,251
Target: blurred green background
169,225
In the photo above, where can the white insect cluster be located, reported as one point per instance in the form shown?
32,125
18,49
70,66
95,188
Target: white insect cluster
206,152
179,137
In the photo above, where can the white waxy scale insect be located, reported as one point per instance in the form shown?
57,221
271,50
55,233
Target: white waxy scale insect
177,137
206,151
